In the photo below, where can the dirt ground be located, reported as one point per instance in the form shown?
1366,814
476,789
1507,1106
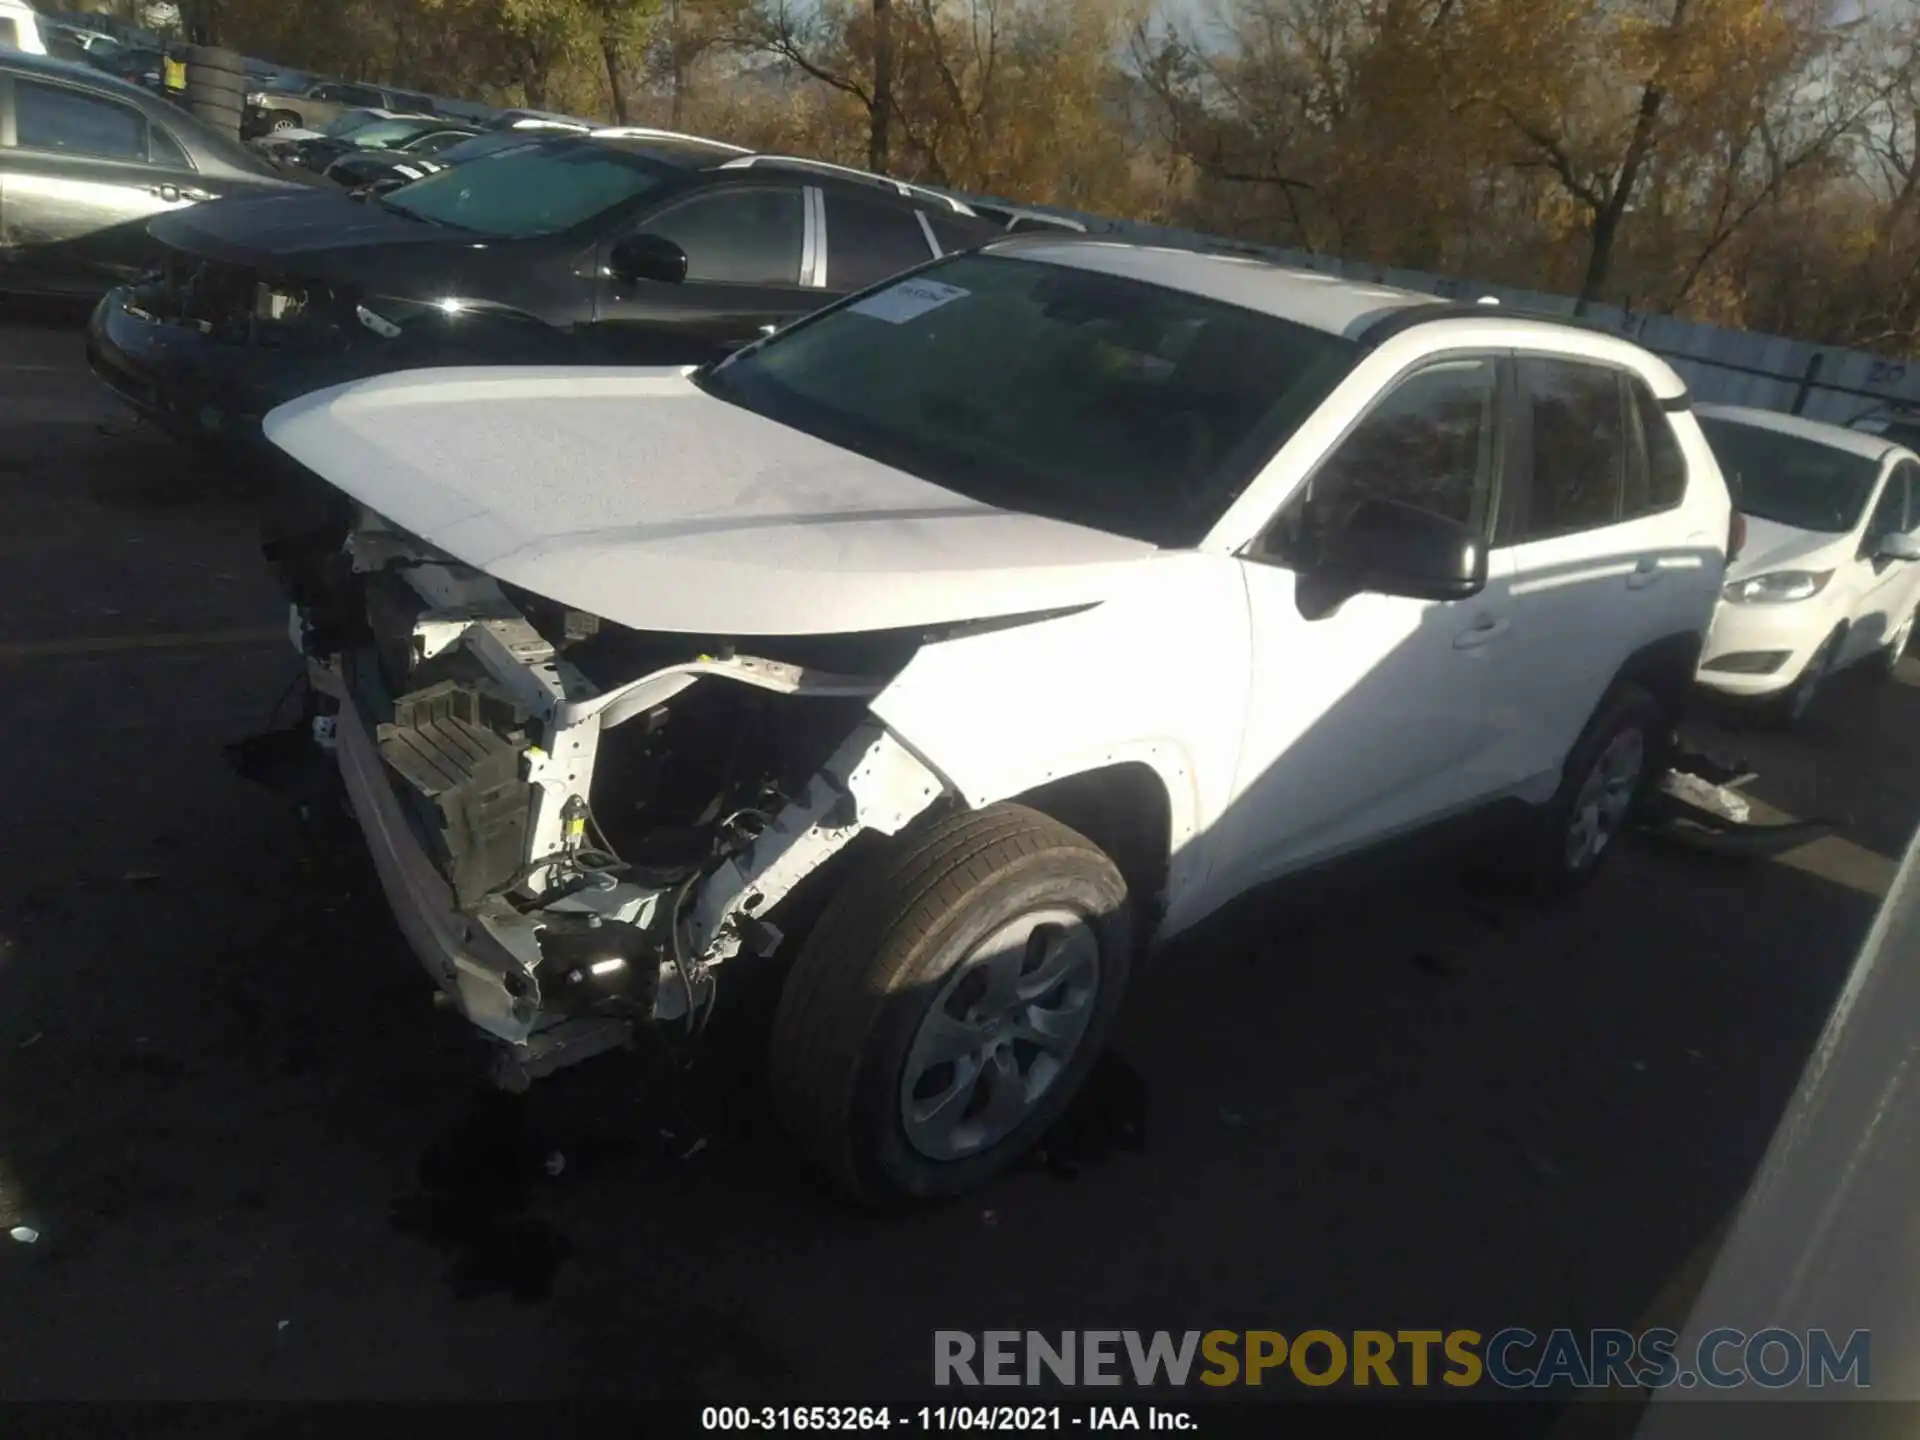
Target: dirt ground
262,1165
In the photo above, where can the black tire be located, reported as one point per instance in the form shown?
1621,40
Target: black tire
1790,707
1886,664
213,59
867,976
283,120
224,118
1628,710
216,87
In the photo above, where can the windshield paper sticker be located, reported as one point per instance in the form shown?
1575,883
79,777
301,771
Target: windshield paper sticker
900,303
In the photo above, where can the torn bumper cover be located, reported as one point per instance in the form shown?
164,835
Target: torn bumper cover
475,795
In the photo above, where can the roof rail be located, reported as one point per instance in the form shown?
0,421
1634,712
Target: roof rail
847,172
1014,214
647,132
1406,317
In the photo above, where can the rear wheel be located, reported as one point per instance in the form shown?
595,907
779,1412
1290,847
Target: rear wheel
283,120
1607,773
950,1002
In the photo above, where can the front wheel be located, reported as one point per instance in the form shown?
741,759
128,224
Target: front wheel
1792,707
1887,663
950,1001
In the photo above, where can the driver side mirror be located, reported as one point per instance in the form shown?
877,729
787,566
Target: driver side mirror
647,257
1898,546
1386,548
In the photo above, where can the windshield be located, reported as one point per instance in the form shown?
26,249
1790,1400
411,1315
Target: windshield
1789,479
384,133
533,189
478,145
349,123
1048,389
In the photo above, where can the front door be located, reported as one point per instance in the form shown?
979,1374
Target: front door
1885,590
80,176
746,247
1371,720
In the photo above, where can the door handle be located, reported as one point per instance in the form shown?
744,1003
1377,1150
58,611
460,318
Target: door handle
1644,574
1479,635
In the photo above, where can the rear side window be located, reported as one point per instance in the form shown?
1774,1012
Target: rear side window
868,240
53,117
1656,470
1580,448
955,233
9,34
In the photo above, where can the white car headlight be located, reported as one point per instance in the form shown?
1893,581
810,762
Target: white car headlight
257,99
1778,588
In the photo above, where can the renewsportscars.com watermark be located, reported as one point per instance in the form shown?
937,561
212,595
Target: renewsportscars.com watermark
1511,1359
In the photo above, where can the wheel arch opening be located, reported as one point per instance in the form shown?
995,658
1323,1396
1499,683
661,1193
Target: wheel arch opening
1125,810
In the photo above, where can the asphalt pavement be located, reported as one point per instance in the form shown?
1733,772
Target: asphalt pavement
262,1165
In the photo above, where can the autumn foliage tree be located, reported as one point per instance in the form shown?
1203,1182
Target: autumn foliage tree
1755,162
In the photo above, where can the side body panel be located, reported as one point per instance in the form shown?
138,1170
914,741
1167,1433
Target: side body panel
1157,675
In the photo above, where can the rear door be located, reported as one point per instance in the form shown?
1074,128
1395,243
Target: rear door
869,238
750,257
1589,537
81,174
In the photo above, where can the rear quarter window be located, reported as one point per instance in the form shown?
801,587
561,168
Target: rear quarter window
1656,467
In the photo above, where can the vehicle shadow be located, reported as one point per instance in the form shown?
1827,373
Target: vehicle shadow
1854,760
1381,1095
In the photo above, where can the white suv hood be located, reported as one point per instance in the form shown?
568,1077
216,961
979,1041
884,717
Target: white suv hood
634,496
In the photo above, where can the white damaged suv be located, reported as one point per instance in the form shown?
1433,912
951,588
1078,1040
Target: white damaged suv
959,642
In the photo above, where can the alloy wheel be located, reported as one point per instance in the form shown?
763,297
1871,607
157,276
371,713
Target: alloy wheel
1606,796
1003,1028
1800,698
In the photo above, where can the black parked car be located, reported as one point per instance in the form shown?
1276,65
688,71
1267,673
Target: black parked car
86,160
401,135
572,249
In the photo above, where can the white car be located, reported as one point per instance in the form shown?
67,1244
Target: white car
962,640
20,28
1826,577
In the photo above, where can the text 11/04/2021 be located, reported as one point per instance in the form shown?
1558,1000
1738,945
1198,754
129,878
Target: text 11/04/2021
945,1419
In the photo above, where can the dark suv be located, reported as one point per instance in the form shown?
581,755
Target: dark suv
605,248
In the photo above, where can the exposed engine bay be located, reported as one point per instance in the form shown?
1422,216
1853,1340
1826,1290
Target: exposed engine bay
577,822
